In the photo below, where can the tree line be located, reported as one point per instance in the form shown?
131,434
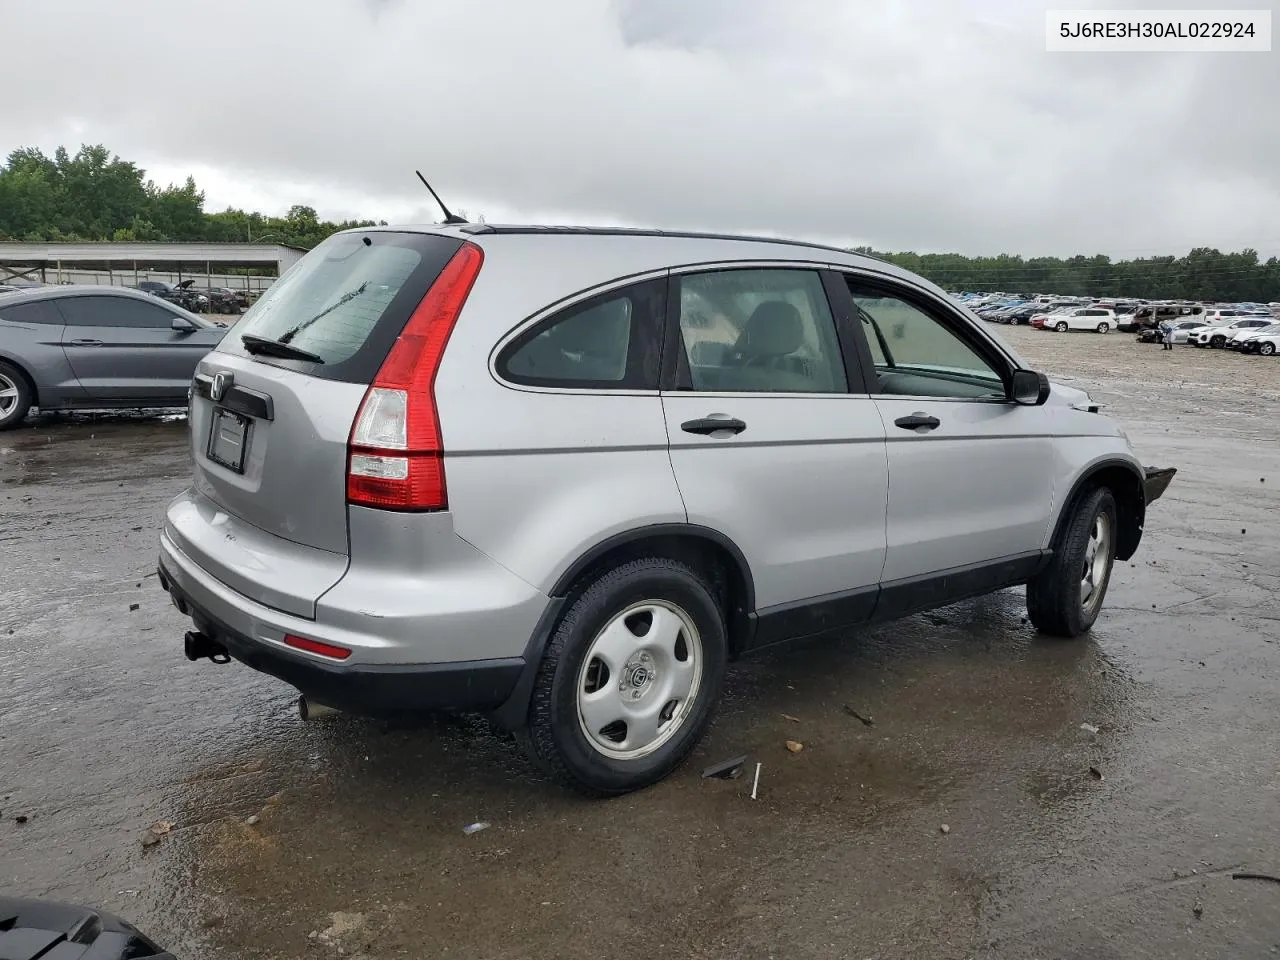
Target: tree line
94,195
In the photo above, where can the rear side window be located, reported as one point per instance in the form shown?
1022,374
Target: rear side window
609,342
38,311
759,331
114,312
346,301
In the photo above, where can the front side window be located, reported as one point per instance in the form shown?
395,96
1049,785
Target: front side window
918,354
754,330
611,341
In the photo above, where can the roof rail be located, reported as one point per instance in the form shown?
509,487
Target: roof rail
489,228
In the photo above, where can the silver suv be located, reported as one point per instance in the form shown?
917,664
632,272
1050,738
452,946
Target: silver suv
563,476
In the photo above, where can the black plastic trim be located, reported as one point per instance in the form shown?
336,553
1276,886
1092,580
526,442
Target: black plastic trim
1085,480
1157,482
805,618
373,689
694,530
857,358
238,399
511,715
899,598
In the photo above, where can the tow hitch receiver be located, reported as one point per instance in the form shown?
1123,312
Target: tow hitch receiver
199,647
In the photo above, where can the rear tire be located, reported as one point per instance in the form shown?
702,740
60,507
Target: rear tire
1061,326
1065,598
16,396
643,647
1104,328
1217,342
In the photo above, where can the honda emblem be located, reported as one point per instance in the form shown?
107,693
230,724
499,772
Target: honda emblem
218,389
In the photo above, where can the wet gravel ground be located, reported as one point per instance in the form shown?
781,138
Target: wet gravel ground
358,847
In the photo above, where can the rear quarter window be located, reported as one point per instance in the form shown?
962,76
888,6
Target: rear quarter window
346,301
611,341
37,311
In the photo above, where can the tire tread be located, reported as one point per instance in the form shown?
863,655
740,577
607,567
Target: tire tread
1053,602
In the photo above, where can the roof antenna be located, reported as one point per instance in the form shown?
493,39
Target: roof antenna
449,216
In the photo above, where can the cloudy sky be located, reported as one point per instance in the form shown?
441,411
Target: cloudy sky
906,124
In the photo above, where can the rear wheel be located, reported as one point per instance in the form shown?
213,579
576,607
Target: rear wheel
15,396
1065,598
629,678
1061,326
1218,341
1267,348
1104,327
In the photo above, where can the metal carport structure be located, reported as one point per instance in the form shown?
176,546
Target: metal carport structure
47,262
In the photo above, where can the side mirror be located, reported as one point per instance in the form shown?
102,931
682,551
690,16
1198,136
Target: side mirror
1029,389
183,325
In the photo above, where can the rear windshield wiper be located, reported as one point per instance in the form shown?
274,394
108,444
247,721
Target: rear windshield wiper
345,298
267,347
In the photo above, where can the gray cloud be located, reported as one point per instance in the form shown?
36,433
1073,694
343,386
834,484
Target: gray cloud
934,125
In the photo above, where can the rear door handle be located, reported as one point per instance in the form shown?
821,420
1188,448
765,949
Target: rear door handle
709,425
86,343
918,421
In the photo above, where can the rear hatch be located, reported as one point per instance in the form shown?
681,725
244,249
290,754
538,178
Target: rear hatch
272,409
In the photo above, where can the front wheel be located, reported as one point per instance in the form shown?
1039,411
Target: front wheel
1061,327
629,679
1217,342
1065,598
1266,349
1103,327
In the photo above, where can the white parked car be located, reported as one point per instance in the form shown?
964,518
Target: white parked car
1217,335
1097,319
1264,341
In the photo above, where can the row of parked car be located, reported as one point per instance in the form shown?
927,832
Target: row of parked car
1247,327
223,300
205,300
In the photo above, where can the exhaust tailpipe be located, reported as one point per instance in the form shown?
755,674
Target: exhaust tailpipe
199,647
310,710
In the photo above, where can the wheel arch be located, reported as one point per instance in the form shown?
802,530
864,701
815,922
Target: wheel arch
26,375
1126,483
702,547
705,548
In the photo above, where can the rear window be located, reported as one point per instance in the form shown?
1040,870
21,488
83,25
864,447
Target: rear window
346,301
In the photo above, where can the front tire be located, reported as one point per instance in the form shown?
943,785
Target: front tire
15,396
1065,598
1217,342
1266,349
1061,327
629,679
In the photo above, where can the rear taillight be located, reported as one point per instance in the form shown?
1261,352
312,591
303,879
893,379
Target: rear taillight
395,455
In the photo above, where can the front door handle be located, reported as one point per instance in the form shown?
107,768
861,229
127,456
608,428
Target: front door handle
918,421
86,343
709,425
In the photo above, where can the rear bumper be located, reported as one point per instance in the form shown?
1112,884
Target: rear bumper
369,689
457,641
